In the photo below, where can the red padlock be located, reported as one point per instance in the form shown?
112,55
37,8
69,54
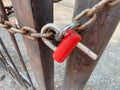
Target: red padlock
66,46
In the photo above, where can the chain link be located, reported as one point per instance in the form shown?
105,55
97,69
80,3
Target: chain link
91,20
14,30
26,31
8,25
38,35
114,3
98,7
92,13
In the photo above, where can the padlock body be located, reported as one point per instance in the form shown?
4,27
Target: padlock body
66,46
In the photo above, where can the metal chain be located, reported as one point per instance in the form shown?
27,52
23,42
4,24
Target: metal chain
79,16
25,31
32,33
92,13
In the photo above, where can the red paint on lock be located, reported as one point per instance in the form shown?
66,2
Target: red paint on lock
66,46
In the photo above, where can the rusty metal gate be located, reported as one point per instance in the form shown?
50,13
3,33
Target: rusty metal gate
32,15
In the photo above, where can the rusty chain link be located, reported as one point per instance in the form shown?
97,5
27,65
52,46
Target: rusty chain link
91,20
31,33
28,31
25,31
92,13
114,3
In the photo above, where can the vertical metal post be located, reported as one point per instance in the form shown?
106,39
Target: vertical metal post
36,13
96,36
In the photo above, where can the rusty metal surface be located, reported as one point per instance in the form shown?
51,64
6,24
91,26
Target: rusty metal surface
92,13
31,16
96,36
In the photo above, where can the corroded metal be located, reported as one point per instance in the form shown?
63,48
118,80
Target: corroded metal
41,65
96,36
26,31
94,11
90,21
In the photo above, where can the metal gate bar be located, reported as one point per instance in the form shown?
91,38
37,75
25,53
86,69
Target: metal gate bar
96,37
35,16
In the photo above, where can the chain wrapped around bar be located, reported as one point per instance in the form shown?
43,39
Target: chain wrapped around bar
31,33
92,13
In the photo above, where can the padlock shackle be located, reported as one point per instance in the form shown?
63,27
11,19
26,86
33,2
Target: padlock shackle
53,27
71,26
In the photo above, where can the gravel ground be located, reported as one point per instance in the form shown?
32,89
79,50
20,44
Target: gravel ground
106,75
